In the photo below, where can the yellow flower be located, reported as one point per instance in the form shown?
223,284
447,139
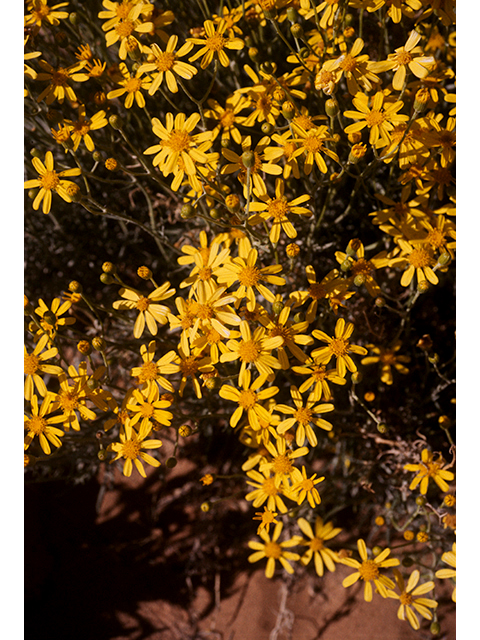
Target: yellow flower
330,287
380,117
407,57
450,558
409,599
360,266
248,399
273,550
253,350
177,143
162,64
293,334
418,258
306,489
148,408
124,29
322,555
339,346
208,259
265,490
213,44
319,377
149,311
429,468
34,365
227,117
369,571
191,365
81,128
60,79
38,425
72,399
280,210
304,415
130,447
40,11
50,180
388,358
281,462
312,143
266,518
132,86
355,67
250,277
50,318
287,150
151,373
212,311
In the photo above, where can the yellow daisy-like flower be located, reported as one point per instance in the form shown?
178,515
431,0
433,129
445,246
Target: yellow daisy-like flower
248,399
339,346
148,408
132,86
266,489
227,117
293,334
356,68
388,358
418,259
50,180
130,447
266,518
450,558
35,364
177,143
80,129
369,571
192,365
380,117
50,319
165,64
329,288
322,555
287,150
304,415
312,143
37,425
124,29
279,210
253,350
213,44
273,550
149,311
360,266
153,373
306,488
281,462
407,57
60,79
250,277
212,311
409,599
71,400
428,468
319,377
208,259
40,11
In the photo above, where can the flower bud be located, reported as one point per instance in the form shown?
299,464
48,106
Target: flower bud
84,347
377,550
248,159
420,501
382,427
277,307
254,54
144,272
292,250
292,15
215,213
35,153
331,108
267,67
288,110
111,164
32,193
444,259
297,30
185,431
346,265
116,122
109,267
435,628
96,156
359,280
267,128
421,99
205,506
423,286
380,302
50,318
299,317
92,384
99,344
187,211
171,462
407,561
73,17
357,376
102,454
232,202
106,278
75,287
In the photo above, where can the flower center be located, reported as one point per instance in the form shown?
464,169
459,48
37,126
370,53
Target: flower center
133,84
248,350
205,311
131,449
187,321
42,12
374,118
284,332
315,544
249,276
264,104
142,304
178,140
257,166
319,373
205,273
312,144
189,366
303,415
68,400
368,570
227,118
362,266
82,127
31,364
388,357
282,465
148,371
436,238
247,399
147,410
288,149
442,176
37,425
50,180
316,291
307,484
273,550
269,487
406,598
348,63
124,28
213,337
215,42
60,78
403,58
339,346
165,60
278,208
420,258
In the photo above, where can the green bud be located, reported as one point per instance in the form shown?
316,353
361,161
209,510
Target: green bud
106,278
380,302
407,561
288,110
357,377
267,128
434,628
248,159
420,501
267,67
297,30
381,427
331,108
292,14
277,307
171,462
92,384
75,287
299,317
115,121
377,550
444,259
73,17
215,214
102,454
97,156
32,193
50,318
359,280
346,265
187,211
35,153
99,344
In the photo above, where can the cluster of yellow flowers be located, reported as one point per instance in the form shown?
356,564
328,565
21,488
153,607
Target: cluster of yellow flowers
314,178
